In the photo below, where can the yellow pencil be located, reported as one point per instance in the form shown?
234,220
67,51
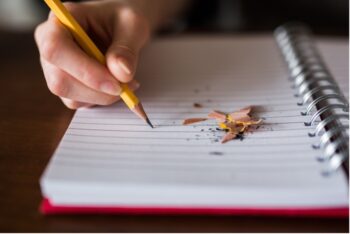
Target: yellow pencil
91,49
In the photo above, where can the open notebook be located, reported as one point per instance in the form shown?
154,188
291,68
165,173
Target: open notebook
110,161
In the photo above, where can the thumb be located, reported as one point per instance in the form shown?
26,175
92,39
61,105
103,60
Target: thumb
122,61
129,37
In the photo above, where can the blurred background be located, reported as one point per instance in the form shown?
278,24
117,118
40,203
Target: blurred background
324,16
20,15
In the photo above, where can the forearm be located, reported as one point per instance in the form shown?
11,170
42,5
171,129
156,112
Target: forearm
159,12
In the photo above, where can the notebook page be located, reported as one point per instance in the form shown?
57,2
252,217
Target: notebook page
109,157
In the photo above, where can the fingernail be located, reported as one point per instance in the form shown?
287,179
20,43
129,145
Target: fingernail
134,85
125,65
110,88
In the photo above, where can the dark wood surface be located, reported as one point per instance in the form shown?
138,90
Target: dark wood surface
31,124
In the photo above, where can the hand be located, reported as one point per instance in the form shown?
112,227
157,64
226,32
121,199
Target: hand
79,80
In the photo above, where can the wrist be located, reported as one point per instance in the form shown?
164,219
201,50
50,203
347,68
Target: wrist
147,9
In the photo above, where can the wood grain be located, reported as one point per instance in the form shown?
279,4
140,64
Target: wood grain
32,123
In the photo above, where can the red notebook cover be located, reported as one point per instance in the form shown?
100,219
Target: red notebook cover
48,208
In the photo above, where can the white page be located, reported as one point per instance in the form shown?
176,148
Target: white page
110,157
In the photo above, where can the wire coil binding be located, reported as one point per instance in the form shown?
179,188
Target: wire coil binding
318,92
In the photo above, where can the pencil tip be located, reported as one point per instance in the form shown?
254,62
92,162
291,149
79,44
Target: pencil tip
149,123
142,114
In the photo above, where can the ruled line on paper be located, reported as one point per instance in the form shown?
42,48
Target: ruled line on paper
187,167
179,104
178,124
216,99
268,161
289,150
254,142
92,132
179,154
189,110
178,119
142,129
112,115
193,145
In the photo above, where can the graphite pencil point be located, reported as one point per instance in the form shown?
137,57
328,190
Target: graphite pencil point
149,123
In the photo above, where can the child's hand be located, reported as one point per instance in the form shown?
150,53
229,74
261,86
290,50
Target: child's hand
79,80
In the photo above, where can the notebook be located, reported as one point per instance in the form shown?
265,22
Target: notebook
109,161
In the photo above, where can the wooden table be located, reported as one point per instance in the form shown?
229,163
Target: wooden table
33,121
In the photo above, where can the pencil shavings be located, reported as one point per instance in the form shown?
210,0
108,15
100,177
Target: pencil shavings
220,116
193,120
241,115
228,137
235,124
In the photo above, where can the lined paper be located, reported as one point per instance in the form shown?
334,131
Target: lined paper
110,157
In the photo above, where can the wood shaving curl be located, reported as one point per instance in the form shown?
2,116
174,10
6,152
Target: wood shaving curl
235,123
193,120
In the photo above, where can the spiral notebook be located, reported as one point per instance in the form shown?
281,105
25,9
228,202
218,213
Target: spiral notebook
109,161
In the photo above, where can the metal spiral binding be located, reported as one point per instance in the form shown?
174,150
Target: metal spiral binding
318,92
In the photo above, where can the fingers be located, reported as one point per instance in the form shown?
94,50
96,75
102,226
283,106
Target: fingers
65,86
57,47
73,105
131,32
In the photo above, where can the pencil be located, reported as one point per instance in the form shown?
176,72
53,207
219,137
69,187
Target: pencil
66,18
